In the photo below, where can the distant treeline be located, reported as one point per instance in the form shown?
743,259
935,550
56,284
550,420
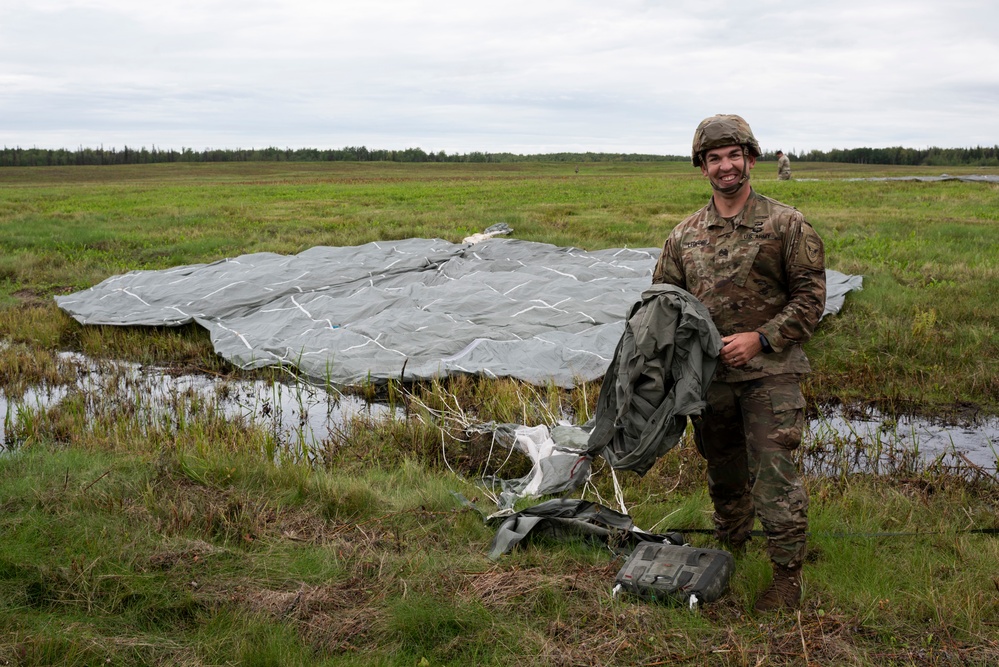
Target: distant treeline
980,156
43,157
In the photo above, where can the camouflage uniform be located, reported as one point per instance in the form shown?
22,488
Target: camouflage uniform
783,168
763,271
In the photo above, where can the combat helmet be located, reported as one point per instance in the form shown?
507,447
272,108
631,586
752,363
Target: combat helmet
723,130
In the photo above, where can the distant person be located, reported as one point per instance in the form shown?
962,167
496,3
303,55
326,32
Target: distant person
759,268
783,167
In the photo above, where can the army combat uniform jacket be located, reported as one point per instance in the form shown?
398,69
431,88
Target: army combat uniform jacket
783,168
763,271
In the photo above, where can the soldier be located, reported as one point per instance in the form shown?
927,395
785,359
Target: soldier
783,166
759,267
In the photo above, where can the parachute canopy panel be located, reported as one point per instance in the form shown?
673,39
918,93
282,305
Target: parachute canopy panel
412,309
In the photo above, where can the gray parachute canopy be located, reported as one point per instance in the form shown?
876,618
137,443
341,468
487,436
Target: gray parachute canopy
412,309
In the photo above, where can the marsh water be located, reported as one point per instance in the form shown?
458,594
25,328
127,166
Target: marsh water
302,416
295,413
868,441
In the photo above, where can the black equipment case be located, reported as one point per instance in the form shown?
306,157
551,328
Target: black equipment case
674,573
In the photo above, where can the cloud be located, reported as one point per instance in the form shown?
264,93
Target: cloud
519,76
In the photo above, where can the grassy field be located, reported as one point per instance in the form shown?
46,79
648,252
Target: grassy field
130,537
921,336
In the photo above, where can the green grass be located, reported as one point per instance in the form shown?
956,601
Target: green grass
184,536
211,557
920,336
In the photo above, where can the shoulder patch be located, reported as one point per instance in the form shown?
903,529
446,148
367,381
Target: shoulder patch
810,251
813,250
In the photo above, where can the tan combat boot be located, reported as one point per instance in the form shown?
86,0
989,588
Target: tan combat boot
784,591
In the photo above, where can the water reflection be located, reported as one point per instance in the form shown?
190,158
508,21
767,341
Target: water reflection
871,442
301,416
298,415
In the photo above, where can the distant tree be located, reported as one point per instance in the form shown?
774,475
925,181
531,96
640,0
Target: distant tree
894,155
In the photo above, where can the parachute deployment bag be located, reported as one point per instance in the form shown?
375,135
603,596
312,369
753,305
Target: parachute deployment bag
675,573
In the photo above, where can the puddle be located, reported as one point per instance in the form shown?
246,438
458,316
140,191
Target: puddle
298,415
301,416
872,442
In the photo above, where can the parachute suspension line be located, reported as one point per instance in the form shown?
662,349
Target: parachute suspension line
618,493
588,485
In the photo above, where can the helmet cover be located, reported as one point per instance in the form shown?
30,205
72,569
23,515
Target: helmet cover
720,131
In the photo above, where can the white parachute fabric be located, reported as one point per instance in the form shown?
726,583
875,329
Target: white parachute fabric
838,285
560,460
412,309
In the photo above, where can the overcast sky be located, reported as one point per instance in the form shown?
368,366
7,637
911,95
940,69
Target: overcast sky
525,76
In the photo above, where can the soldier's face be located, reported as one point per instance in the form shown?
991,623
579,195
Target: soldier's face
724,166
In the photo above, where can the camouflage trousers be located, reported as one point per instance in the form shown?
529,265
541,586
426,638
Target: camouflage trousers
747,436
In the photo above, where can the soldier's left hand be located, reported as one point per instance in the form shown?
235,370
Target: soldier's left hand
740,348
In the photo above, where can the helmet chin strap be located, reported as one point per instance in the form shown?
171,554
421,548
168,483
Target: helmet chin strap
732,189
